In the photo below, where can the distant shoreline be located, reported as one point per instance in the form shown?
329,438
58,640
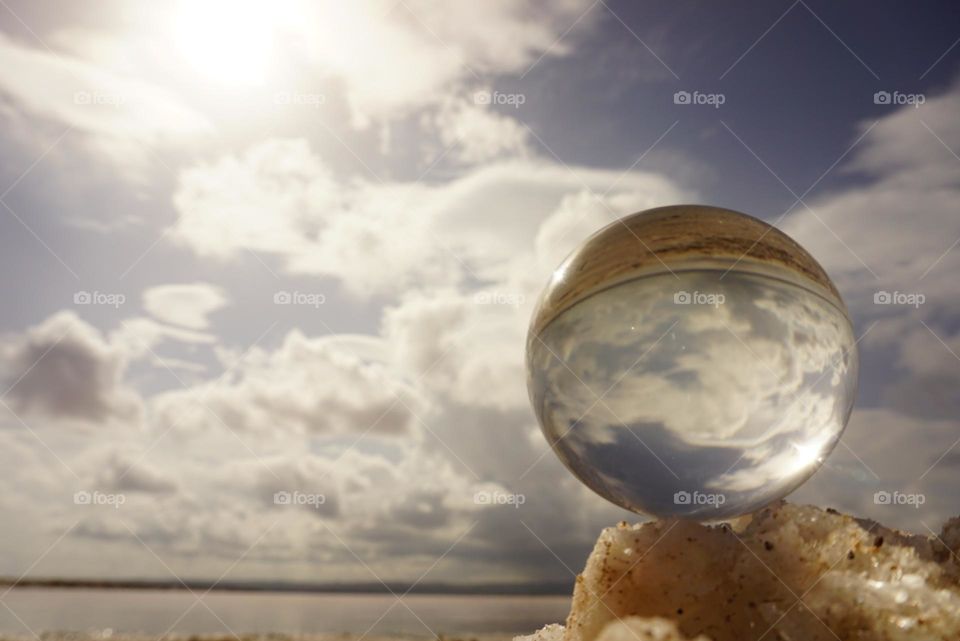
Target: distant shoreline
539,589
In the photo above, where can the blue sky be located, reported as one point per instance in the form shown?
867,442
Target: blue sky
394,167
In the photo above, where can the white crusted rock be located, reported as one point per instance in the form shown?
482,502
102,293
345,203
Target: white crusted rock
552,632
628,629
789,572
641,629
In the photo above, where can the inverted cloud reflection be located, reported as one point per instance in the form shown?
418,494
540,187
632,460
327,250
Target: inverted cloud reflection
646,396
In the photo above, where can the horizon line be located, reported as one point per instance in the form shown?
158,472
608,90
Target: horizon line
396,588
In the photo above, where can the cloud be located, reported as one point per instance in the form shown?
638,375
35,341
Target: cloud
289,510
138,336
923,364
445,45
891,229
434,337
125,471
280,198
890,236
308,386
140,339
269,199
119,114
887,450
185,305
479,134
64,369
868,235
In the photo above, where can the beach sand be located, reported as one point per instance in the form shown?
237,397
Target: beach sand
100,636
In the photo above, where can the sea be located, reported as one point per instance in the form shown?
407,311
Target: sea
27,612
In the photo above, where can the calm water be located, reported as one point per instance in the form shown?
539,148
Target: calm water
156,612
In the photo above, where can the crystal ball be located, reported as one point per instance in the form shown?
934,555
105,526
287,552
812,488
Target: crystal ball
691,362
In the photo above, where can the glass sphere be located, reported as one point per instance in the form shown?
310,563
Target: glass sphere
691,362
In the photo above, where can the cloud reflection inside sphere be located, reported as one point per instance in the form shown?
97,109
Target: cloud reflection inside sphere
691,362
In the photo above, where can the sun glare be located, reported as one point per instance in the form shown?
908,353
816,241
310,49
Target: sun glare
231,42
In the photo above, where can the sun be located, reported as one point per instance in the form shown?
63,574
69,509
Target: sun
232,42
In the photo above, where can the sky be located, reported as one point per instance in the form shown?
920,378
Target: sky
268,266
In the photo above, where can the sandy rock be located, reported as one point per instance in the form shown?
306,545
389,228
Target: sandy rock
627,629
552,632
640,629
788,573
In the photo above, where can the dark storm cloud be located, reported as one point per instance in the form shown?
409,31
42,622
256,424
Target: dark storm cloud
63,369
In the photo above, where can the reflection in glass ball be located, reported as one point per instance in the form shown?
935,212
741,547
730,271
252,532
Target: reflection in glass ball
691,362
